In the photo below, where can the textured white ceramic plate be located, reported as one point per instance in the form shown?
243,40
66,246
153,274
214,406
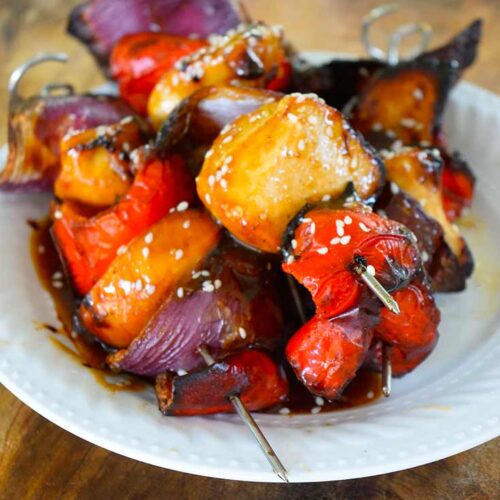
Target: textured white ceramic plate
449,404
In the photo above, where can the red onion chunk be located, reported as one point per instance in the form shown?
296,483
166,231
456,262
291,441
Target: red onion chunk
99,24
235,305
36,128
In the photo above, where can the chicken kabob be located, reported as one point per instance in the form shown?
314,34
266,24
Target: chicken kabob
266,165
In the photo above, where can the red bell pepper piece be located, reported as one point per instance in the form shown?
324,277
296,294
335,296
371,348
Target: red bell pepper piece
251,374
89,244
140,59
328,241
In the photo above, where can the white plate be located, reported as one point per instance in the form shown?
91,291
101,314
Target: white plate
449,404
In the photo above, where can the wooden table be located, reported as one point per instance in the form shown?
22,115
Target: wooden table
40,460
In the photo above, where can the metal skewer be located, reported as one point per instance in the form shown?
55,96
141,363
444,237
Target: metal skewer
245,415
375,286
386,370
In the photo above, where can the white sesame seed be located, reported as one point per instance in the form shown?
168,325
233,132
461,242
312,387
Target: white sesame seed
217,284
370,394
211,180
150,289
312,227
110,288
57,284
293,118
301,145
138,285
208,199
125,286
370,269
223,184
145,252
290,259
377,127
340,230
242,332
326,197
284,411
41,249
322,250
363,227
319,401
121,250
227,139
183,205
394,188
418,94
315,410
345,240
196,275
57,275
207,286
312,120
58,214
179,254
148,238
180,292
294,243
204,273
209,153
347,220
335,241
186,224
181,372
425,256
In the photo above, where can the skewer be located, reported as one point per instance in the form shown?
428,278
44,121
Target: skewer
244,414
386,370
375,286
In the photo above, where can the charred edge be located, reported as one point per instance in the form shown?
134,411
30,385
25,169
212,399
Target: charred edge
174,128
164,389
461,48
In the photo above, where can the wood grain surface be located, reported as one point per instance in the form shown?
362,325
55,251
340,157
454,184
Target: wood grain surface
40,460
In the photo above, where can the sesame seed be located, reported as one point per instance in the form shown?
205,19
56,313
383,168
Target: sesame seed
284,411
58,214
293,118
347,220
181,372
345,240
209,153
138,285
363,227
227,139
377,127
370,394
312,227
148,238
290,259
183,205
207,286
394,188
335,241
110,288
301,145
223,184
125,286
179,254
315,410
319,401
294,244
326,197
242,332
150,289
208,199
301,98
57,284
121,250
312,120
217,284
180,292
370,269
145,252
204,273
57,275
211,180
340,230
425,256
322,250
41,249
418,94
